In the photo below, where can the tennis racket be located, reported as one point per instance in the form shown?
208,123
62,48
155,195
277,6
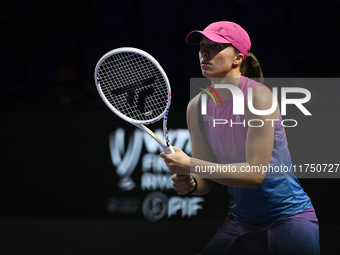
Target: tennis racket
135,87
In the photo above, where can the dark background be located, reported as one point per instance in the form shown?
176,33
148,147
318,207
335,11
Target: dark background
56,173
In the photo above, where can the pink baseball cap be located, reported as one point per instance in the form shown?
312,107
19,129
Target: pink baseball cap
223,32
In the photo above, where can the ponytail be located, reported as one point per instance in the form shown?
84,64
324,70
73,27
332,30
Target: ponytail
250,67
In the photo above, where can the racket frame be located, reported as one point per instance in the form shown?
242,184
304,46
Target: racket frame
167,148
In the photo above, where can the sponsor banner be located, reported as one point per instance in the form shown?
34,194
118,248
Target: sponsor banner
140,170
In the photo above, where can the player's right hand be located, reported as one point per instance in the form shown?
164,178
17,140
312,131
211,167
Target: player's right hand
183,183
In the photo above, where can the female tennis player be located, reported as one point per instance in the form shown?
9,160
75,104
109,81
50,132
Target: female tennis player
269,212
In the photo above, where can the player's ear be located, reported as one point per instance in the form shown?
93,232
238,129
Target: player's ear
238,59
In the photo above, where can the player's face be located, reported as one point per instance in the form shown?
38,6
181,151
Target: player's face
216,59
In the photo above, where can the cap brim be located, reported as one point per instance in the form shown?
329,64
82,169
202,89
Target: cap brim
195,36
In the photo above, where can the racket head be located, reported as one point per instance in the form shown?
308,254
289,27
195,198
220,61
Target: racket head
133,85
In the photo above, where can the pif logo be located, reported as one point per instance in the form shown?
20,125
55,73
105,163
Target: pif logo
238,102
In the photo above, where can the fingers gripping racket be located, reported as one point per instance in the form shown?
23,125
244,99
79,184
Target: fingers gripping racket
135,87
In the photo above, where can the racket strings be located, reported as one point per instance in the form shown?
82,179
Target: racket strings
134,86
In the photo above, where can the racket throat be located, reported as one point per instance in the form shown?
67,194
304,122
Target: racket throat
167,148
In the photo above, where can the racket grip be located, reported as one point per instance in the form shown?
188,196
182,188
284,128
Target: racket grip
168,150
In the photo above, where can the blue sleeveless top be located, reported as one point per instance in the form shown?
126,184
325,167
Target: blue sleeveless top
280,195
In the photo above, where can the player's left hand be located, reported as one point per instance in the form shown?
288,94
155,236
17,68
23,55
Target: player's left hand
178,162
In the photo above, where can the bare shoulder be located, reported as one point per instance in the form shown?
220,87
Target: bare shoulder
194,101
262,97
192,107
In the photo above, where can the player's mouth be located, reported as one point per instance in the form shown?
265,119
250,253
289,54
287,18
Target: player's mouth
205,64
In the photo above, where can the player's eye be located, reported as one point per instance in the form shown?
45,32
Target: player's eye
217,46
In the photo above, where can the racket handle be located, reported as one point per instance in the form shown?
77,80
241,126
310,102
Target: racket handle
168,150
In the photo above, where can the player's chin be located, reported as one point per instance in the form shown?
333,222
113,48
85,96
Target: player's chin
206,73
209,74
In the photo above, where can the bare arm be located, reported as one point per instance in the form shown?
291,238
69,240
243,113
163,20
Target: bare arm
200,147
200,150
